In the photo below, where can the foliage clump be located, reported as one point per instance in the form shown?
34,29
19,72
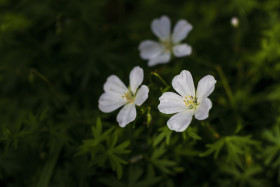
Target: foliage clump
56,56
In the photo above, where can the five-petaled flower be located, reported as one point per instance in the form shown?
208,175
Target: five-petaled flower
117,94
160,52
189,102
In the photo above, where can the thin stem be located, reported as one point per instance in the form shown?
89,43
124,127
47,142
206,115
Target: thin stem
149,116
45,80
226,85
160,78
48,168
215,134
42,77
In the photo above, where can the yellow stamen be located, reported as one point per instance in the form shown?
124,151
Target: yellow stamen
190,102
128,96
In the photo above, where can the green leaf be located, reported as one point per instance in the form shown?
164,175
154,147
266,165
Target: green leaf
160,162
214,148
272,151
165,133
192,133
104,147
241,176
96,131
236,147
48,168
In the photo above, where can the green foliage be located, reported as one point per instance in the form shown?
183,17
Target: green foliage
165,134
13,22
159,161
103,148
136,178
48,169
192,133
56,55
272,151
244,177
236,147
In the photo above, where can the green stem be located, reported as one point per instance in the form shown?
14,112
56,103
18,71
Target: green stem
149,116
160,78
48,168
45,80
226,85
214,133
42,77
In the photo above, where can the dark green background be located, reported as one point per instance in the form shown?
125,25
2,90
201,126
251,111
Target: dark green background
55,56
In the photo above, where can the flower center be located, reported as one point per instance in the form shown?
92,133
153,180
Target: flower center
129,97
191,102
167,44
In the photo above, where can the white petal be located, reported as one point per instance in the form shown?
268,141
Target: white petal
161,27
161,59
183,84
110,101
142,95
181,30
126,115
182,50
171,103
205,87
202,111
136,78
115,85
150,49
179,122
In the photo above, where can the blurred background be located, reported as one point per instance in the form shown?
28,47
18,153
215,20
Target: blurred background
55,56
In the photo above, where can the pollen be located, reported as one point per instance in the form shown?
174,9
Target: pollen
190,102
129,97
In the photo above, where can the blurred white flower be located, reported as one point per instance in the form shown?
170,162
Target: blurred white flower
234,22
188,102
117,94
160,52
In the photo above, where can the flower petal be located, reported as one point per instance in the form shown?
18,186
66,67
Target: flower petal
182,50
126,115
163,58
179,122
115,85
110,101
150,49
202,111
142,95
136,78
205,87
181,30
161,27
183,84
171,103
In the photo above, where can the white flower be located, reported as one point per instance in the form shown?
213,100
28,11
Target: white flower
160,52
234,22
117,94
188,102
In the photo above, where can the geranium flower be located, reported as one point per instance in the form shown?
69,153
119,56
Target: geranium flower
188,102
117,95
160,52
